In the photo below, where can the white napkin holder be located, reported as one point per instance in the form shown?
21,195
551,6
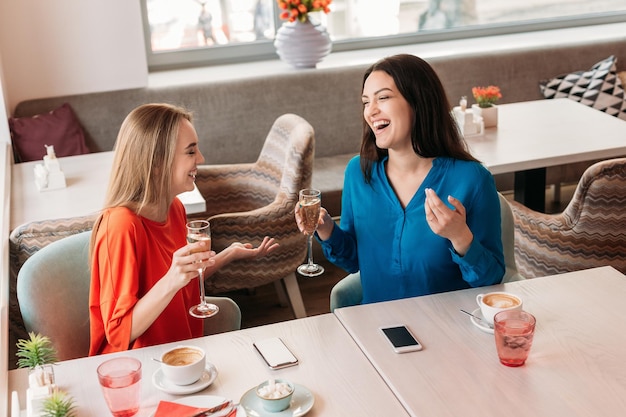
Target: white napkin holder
49,176
35,398
468,123
41,385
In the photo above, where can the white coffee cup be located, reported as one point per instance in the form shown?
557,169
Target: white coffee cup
183,365
494,302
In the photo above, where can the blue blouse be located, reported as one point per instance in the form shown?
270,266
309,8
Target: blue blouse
397,253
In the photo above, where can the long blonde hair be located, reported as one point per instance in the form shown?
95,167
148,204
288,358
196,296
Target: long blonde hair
141,174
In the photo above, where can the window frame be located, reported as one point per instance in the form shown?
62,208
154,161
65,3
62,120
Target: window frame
264,50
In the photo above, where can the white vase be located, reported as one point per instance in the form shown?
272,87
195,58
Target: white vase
489,114
302,44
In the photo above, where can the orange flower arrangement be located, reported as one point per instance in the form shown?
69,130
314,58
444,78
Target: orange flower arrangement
486,96
299,9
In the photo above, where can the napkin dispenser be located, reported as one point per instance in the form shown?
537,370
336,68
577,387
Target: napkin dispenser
49,176
469,124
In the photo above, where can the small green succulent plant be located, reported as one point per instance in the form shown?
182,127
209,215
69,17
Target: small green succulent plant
59,404
35,351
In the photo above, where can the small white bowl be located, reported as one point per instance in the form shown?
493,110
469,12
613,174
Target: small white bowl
183,365
275,400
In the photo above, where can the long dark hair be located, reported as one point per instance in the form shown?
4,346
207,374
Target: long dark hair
435,132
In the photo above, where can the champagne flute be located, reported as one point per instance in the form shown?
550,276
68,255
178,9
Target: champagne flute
200,230
310,205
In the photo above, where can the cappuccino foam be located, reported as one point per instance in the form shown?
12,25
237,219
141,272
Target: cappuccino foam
182,356
500,300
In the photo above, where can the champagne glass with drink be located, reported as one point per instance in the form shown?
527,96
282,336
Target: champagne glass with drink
310,205
200,230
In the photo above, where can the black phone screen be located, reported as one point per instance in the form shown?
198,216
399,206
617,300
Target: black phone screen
400,336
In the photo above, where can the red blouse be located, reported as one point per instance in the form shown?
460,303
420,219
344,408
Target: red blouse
131,253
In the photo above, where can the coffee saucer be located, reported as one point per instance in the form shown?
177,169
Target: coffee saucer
301,403
478,323
162,383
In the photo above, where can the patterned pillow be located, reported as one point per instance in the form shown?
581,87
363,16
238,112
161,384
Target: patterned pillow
600,88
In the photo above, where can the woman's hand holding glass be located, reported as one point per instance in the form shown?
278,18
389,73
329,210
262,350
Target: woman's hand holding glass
200,231
185,263
324,226
188,259
308,215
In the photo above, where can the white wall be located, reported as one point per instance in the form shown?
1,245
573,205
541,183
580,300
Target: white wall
4,112
5,178
61,47
52,48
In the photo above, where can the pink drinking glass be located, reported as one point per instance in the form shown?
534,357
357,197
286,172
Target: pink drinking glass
120,380
514,331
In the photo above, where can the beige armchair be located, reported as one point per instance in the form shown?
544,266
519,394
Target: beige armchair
246,202
590,232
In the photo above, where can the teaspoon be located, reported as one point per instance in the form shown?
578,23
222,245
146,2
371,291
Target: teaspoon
485,322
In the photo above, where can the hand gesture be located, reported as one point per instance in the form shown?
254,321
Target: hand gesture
247,251
448,223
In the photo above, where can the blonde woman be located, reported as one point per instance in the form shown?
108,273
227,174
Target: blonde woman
143,277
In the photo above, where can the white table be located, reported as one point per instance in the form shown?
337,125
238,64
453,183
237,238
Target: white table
533,135
331,366
576,367
86,177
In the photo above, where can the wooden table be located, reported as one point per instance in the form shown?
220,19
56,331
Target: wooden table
331,366
533,135
86,177
576,367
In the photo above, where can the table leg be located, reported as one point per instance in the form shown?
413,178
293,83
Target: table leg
530,188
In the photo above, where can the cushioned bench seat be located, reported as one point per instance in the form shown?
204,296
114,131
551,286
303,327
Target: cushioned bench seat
328,177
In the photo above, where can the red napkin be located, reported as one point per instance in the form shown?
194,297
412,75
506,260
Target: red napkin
169,409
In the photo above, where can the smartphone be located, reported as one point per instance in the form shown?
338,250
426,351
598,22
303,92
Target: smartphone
401,339
275,353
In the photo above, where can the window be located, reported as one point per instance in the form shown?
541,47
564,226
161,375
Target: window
185,33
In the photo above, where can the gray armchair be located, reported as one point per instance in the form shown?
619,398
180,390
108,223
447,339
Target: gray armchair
53,293
24,241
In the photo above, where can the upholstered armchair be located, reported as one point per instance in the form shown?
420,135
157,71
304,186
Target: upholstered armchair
590,232
24,241
53,291
246,202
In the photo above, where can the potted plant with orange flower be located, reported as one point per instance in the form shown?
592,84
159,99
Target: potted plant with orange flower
485,107
298,42
300,9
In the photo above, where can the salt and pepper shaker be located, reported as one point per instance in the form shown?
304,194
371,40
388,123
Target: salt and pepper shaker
463,103
467,122
48,176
